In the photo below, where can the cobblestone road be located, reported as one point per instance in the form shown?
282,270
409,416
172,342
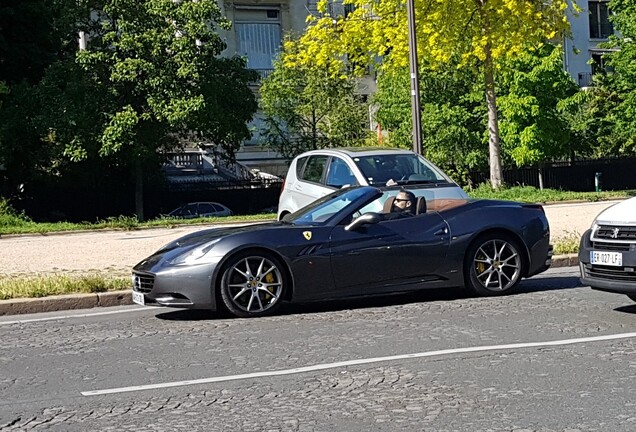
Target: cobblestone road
579,387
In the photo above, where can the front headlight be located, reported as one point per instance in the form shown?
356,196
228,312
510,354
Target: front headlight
198,255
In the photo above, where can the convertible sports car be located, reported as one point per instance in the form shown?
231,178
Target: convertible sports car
344,245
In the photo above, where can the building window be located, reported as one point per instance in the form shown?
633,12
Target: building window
600,25
599,63
258,35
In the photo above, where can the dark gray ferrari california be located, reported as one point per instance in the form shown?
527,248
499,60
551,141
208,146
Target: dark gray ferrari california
343,245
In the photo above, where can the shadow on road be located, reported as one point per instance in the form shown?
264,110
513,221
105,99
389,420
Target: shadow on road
631,309
527,286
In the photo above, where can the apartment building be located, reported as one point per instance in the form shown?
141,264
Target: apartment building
258,30
590,27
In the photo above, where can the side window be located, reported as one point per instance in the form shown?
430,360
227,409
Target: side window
217,208
300,164
205,208
340,174
314,169
189,210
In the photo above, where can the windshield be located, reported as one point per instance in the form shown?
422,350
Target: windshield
322,210
407,168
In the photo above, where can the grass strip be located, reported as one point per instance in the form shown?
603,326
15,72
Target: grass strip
42,286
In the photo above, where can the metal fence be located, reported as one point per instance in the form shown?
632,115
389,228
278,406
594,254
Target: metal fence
579,176
80,202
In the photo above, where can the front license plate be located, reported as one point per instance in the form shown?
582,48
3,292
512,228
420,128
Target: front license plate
138,298
606,258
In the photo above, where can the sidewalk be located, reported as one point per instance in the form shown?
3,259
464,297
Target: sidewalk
116,252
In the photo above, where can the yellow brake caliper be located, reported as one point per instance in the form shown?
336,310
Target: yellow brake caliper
481,266
269,278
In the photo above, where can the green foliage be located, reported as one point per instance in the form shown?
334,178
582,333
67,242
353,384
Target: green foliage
531,86
452,116
307,108
20,224
615,92
568,244
9,218
41,286
160,62
531,194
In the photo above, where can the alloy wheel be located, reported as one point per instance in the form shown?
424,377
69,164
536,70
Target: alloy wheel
252,285
497,265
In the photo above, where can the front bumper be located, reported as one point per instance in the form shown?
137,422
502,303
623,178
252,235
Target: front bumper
617,279
183,287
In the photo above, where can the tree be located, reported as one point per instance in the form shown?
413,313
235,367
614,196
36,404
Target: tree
452,119
617,89
480,32
532,86
307,108
34,34
160,63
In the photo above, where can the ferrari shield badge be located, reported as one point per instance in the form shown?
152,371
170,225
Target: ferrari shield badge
307,235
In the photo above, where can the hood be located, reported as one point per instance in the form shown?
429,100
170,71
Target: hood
184,244
623,213
206,235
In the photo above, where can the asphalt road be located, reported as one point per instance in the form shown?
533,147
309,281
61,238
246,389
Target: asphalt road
431,361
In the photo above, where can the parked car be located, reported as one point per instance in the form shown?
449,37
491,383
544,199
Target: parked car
317,173
607,253
344,245
200,209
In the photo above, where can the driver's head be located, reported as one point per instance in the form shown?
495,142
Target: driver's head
404,202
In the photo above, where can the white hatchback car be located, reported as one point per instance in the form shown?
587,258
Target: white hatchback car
317,173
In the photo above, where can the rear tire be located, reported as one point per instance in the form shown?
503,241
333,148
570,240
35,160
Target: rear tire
253,284
493,265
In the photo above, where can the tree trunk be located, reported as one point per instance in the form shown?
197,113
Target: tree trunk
494,147
139,191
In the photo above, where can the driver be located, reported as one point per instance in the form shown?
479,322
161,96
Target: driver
405,203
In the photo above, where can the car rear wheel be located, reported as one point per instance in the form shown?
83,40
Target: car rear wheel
493,265
253,284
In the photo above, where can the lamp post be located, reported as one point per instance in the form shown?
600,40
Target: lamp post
415,83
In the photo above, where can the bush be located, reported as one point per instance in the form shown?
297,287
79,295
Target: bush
9,217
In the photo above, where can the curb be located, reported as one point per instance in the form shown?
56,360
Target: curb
64,302
569,260
124,297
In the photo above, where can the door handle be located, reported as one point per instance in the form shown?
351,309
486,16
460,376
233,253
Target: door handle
442,231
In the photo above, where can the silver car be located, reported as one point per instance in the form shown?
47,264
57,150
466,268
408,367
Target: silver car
317,173
200,209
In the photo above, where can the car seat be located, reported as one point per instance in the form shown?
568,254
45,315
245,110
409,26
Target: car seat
420,207
388,205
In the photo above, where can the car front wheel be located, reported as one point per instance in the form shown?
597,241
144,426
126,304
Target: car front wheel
252,284
493,265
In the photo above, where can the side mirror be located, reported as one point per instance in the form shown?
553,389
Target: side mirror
365,219
287,218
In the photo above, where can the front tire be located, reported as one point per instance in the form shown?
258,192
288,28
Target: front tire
253,284
493,265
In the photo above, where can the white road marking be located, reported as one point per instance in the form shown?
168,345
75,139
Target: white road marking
61,317
355,363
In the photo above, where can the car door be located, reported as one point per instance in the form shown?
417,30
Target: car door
309,185
206,210
379,257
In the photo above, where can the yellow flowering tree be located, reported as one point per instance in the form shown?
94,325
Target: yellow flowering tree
477,32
